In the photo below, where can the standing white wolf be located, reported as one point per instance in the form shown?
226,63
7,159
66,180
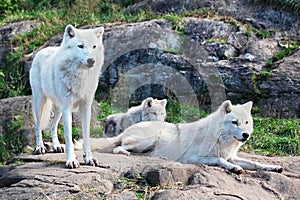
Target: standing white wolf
213,140
149,110
66,78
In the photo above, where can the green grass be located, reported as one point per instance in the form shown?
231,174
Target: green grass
274,137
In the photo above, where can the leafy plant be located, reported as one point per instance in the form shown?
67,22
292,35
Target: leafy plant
174,51
8,6
285,53
269,63
216,40
177,22
264,75
261,34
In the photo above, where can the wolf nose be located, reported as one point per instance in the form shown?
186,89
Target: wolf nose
245,135
90,61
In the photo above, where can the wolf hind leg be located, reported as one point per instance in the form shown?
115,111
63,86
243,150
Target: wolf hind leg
38,104
57,147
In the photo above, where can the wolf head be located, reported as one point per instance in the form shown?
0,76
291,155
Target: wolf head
83,46
154,109
238,122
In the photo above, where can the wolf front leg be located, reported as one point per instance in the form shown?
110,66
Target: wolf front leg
72,162
216,161
251,165
85,110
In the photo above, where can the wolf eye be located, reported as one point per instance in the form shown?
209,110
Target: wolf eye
94,47
80,46
235,122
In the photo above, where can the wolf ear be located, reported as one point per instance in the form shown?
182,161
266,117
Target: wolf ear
248,106
148,102
99,32
70,31
163,102
226,106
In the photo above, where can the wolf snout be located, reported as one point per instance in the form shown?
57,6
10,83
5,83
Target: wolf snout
91,61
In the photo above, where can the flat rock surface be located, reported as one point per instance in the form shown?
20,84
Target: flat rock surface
45,177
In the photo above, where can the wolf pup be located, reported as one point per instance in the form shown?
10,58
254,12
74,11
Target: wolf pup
213,140
149,110
65,78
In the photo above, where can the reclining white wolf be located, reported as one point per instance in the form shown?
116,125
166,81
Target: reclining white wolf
66,77
214,140
149,110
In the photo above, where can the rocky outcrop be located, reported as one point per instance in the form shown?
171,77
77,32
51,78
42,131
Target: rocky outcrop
261,15
123,177
201,61
210,62
8,32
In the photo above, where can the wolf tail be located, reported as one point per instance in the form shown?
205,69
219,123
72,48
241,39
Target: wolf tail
103,145
45,115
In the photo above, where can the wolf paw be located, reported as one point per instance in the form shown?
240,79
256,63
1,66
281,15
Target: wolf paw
236,169
276,168
72,164
41,150
92,162
120,150
58,149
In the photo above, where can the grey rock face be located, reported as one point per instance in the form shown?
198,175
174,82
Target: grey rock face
200,61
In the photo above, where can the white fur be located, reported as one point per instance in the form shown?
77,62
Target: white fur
149,110
65,78
214,140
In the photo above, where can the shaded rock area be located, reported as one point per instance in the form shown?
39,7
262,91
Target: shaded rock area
123,177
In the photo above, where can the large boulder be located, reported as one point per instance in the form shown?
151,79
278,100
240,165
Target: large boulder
123,177
141,62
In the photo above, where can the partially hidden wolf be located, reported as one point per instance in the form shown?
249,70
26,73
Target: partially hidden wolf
149,110
213,140
64,79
